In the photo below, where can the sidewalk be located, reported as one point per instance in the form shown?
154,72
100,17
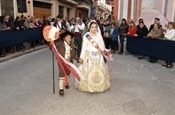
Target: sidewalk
20,53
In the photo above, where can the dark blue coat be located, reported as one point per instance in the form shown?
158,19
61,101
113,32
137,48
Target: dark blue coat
114,35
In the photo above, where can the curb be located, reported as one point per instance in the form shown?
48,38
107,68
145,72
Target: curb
21,53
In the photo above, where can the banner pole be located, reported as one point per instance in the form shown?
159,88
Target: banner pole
53,72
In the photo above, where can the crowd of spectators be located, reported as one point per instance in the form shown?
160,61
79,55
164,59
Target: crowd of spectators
112,31
21,23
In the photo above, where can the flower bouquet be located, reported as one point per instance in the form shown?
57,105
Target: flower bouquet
108,55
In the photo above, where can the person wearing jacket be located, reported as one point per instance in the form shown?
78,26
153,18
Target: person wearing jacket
170,32
156,33
77,29
114,37
59,24
123,29
142,30
106,34
132,29
169,35
66,49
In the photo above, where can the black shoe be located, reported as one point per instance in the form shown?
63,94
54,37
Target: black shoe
2,56
153,61
140,57
150,60
61,92
164,64
169,66
67,86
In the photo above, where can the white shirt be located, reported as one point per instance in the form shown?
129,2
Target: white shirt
59,27
170,34
111,31
67,50
77,27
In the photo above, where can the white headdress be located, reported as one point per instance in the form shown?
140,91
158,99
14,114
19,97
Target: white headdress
98,29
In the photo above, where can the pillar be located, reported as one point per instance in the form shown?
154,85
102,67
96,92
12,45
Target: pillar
65,12
115,10
129,9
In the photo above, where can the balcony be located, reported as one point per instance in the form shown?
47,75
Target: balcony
87,1
104,7
73,2
83,6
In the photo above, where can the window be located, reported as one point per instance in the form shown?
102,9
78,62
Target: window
79,14
61,11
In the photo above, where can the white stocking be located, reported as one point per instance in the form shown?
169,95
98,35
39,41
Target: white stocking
61,83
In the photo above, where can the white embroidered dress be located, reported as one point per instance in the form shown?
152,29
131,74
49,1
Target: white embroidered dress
94,69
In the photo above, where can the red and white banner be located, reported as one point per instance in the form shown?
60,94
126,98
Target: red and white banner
70,66
50,34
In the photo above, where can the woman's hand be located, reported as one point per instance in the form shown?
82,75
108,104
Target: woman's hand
98,48
80,60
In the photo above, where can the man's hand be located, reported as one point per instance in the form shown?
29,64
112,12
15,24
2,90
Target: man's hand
17,28
52,42
50,45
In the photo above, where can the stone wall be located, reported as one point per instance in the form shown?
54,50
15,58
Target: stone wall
7,7
148,4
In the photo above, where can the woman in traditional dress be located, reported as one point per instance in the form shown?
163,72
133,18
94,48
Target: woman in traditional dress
94,68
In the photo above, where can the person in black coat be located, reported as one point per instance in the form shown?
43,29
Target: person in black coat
142,30
18,25
123,29
60,24
156,20
106,34
101,25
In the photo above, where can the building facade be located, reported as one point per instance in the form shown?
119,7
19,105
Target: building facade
102,8
6,8
67,8
83,9
39,8
133,9
128,9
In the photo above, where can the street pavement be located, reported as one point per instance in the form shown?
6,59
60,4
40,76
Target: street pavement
137,88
